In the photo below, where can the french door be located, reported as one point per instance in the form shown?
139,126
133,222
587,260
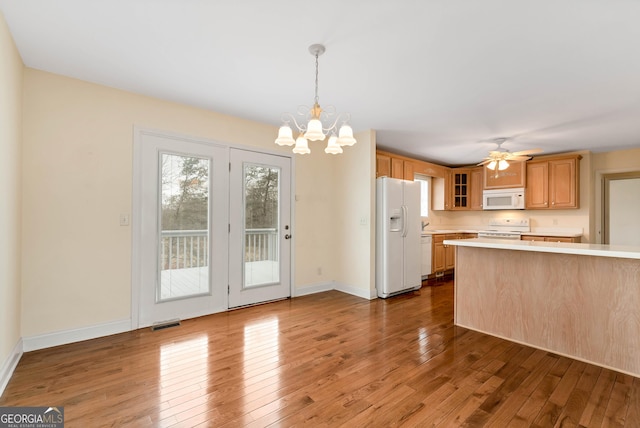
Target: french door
259,238
212,225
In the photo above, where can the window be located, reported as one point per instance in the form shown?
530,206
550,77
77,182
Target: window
425,188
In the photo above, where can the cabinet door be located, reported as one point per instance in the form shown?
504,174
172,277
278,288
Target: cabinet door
537,193
562,183
409,170
531,238
450,254
397,168
383,165
476,177
438,264
460,188
559,239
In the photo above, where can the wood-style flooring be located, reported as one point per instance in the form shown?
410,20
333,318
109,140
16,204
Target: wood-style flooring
324,360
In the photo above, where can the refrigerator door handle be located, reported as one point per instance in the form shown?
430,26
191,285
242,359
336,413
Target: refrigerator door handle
404,220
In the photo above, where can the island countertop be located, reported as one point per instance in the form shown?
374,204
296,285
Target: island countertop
599,250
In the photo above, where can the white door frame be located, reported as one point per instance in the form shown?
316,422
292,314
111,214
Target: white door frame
136,209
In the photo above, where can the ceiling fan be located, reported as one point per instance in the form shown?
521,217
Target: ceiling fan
500,157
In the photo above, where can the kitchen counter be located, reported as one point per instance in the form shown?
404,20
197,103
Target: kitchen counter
599,250
577,300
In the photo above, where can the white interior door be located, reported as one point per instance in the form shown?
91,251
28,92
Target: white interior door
183,226
260,228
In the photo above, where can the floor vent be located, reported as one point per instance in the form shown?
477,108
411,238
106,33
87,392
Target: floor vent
165,324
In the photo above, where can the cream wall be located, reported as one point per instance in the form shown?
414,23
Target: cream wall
77,175
354,216
10,207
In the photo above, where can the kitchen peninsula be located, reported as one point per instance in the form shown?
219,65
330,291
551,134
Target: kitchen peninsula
578,300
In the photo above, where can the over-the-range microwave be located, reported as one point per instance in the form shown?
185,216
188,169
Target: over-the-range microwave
503,199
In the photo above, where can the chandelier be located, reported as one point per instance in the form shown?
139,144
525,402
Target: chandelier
312,127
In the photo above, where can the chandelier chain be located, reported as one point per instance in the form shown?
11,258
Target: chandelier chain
316,99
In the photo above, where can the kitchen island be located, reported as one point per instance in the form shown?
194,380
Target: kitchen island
577,300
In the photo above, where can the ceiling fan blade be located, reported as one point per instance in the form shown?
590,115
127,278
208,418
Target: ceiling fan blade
527,152
484,162
518,158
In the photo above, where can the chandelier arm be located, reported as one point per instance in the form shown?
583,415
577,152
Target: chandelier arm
286,117
346,116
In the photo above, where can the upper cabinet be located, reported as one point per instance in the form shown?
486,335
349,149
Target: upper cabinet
397,166
477,183
553,182
514,176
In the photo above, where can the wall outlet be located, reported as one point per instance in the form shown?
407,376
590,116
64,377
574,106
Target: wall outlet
320,271
363,220
124,219
555,221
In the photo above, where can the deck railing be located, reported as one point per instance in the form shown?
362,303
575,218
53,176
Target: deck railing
181,249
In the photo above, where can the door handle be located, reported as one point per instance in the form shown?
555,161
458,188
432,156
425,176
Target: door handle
287,236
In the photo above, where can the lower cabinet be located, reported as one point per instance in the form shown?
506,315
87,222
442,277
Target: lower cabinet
444,256
550,238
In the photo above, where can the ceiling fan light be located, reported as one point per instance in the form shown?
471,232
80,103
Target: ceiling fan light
345,136
502,165
332,146
492,165
302,146
314,131
285,136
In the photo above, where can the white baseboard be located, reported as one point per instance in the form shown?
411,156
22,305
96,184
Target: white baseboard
75,335
313,288
356,291
9,365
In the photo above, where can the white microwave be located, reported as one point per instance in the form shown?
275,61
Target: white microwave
503,199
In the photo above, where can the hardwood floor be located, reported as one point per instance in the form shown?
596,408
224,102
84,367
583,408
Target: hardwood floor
328,359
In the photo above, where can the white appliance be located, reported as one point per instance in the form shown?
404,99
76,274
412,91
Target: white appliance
505,228
503,199
398,231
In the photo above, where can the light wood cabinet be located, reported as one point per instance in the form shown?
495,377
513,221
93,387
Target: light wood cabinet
443,257
553,183
461,189
438,263
383,165
571,239
476,176
514,176
398,166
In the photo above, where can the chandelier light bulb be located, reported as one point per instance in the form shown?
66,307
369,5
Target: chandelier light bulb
314,131
332,146
492,165
502,165
302,147
285,136
345,136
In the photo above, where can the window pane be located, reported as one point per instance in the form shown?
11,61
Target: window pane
424,195
184,232
261,210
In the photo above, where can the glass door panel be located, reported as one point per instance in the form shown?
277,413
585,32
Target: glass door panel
184,222
261,207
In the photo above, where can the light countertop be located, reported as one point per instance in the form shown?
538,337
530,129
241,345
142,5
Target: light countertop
599,250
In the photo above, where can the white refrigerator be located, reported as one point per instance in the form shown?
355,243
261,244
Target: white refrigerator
398,251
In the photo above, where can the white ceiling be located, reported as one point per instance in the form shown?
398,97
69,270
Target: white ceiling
436,79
